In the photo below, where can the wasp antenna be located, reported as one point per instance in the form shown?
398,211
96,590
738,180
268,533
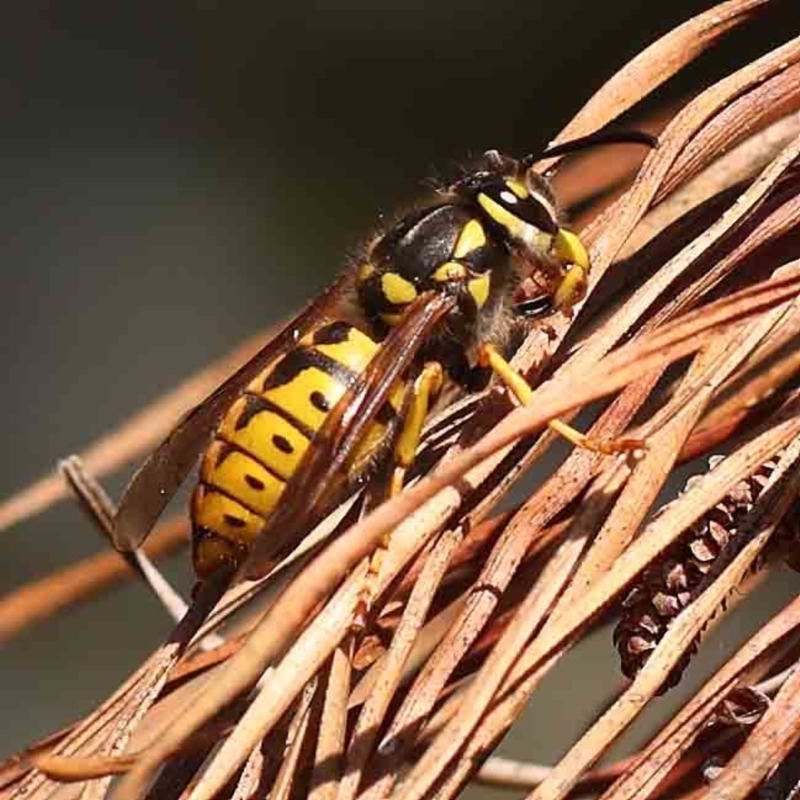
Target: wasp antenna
599,138
585,142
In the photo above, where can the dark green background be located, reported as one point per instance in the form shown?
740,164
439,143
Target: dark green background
174,176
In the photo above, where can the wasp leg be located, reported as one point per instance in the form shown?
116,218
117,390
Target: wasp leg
426,389
518,386
423,394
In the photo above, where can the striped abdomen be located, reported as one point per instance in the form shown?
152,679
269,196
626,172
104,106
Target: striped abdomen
263,437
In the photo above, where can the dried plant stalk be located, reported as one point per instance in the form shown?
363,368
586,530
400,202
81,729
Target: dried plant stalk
691,344
38,601
672,583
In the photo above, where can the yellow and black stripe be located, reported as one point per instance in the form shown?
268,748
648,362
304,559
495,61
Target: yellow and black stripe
262,439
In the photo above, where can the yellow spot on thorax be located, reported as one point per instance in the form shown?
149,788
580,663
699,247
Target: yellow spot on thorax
449,271
471,238
397,290
479,289
365,271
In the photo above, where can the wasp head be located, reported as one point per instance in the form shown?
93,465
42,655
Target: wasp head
520,209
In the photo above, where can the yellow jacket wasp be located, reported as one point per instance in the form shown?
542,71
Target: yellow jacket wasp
346,386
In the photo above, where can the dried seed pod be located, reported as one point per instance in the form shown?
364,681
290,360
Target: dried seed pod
669,584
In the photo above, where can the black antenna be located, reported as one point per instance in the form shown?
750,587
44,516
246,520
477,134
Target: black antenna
593,140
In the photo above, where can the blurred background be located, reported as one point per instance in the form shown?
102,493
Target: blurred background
177,175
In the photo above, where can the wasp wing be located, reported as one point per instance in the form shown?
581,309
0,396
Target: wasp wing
316,485
156,481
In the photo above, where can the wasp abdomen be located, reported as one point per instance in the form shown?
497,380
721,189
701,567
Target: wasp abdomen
262,439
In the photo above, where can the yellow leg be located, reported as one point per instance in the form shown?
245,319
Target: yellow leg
426,388
518,386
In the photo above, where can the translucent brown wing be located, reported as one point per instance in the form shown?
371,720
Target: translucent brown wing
156,481
316,484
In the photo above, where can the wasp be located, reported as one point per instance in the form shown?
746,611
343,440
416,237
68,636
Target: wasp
346,386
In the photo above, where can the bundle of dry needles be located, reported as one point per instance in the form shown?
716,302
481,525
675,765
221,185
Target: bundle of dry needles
691,335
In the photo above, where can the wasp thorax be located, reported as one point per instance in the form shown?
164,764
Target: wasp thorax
440,248
462,245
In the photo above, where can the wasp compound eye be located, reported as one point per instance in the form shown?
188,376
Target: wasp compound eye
536,210
539,190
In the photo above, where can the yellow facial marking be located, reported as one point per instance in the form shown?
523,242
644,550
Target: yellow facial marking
502,216
365,271
479,289
471,238
397,290
450,271
569,248
519,188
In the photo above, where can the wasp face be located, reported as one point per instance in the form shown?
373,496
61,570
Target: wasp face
520,209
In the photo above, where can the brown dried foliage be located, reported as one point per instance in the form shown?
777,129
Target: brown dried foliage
669,584
695,272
